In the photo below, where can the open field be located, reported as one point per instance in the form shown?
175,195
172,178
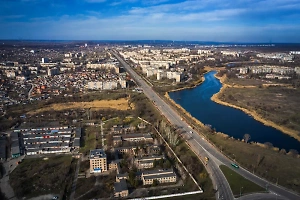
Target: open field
35,176
245,82
238,184
84,185
275,106
272,165
120,104
102,189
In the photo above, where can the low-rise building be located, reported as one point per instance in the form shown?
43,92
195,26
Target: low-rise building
123,150
121,176
45,140
162,176
135,137
121,189
147,161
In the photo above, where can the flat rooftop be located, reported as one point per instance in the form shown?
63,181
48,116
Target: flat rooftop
156,176
97,153
157,171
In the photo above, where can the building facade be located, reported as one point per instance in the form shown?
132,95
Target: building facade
98,161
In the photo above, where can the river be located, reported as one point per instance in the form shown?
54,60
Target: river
228,120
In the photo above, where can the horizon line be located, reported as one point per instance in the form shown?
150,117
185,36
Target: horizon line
146,40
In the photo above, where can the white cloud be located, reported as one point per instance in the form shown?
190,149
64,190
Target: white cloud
215,20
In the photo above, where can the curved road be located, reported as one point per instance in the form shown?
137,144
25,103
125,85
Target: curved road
203,148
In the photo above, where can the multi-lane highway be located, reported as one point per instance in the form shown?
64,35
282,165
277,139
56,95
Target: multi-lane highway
203,148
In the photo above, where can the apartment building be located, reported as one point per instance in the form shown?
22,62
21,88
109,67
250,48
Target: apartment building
98,161
162,176
267,69
104,66
102,85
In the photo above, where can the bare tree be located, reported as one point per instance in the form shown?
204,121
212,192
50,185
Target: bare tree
293,152
247,137
259,160
282,151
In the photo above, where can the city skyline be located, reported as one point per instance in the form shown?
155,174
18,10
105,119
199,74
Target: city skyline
190,20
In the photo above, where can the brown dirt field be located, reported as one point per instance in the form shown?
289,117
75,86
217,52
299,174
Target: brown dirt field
120,104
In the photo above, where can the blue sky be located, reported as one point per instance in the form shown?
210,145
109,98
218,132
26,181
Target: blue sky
190,20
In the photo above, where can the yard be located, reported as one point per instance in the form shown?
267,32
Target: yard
38,176
277,104
91,139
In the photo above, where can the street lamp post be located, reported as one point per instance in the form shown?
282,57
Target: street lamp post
241,191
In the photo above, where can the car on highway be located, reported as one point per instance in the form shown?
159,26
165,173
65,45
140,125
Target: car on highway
206,159
234,165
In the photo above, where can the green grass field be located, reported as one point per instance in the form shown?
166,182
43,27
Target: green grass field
238,184
90,142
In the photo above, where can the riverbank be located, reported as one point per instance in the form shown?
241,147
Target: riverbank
196,83
252,113
184,111
181,108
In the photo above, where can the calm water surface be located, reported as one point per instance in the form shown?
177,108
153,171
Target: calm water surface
230,121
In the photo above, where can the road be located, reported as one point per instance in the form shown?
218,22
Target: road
203,148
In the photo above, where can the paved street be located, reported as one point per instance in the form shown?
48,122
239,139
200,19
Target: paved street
203,148
9,166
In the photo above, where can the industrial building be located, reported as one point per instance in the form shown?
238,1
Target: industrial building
47,140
